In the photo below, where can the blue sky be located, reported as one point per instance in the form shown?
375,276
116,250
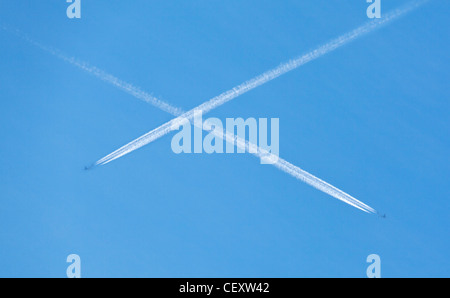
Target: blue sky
370,118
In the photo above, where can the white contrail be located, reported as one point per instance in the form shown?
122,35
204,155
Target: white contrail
101,74
281,164
284,166
293,170
259,80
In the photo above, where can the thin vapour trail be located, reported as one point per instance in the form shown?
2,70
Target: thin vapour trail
101,74
291,169
259,80
281,164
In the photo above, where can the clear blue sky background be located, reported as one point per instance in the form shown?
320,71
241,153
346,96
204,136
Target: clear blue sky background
370,118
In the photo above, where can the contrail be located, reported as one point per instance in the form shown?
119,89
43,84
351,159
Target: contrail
229,95
292,170
260,80
102,75
281,164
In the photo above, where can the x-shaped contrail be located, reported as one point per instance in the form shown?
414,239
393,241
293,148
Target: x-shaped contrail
256,82
217,101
